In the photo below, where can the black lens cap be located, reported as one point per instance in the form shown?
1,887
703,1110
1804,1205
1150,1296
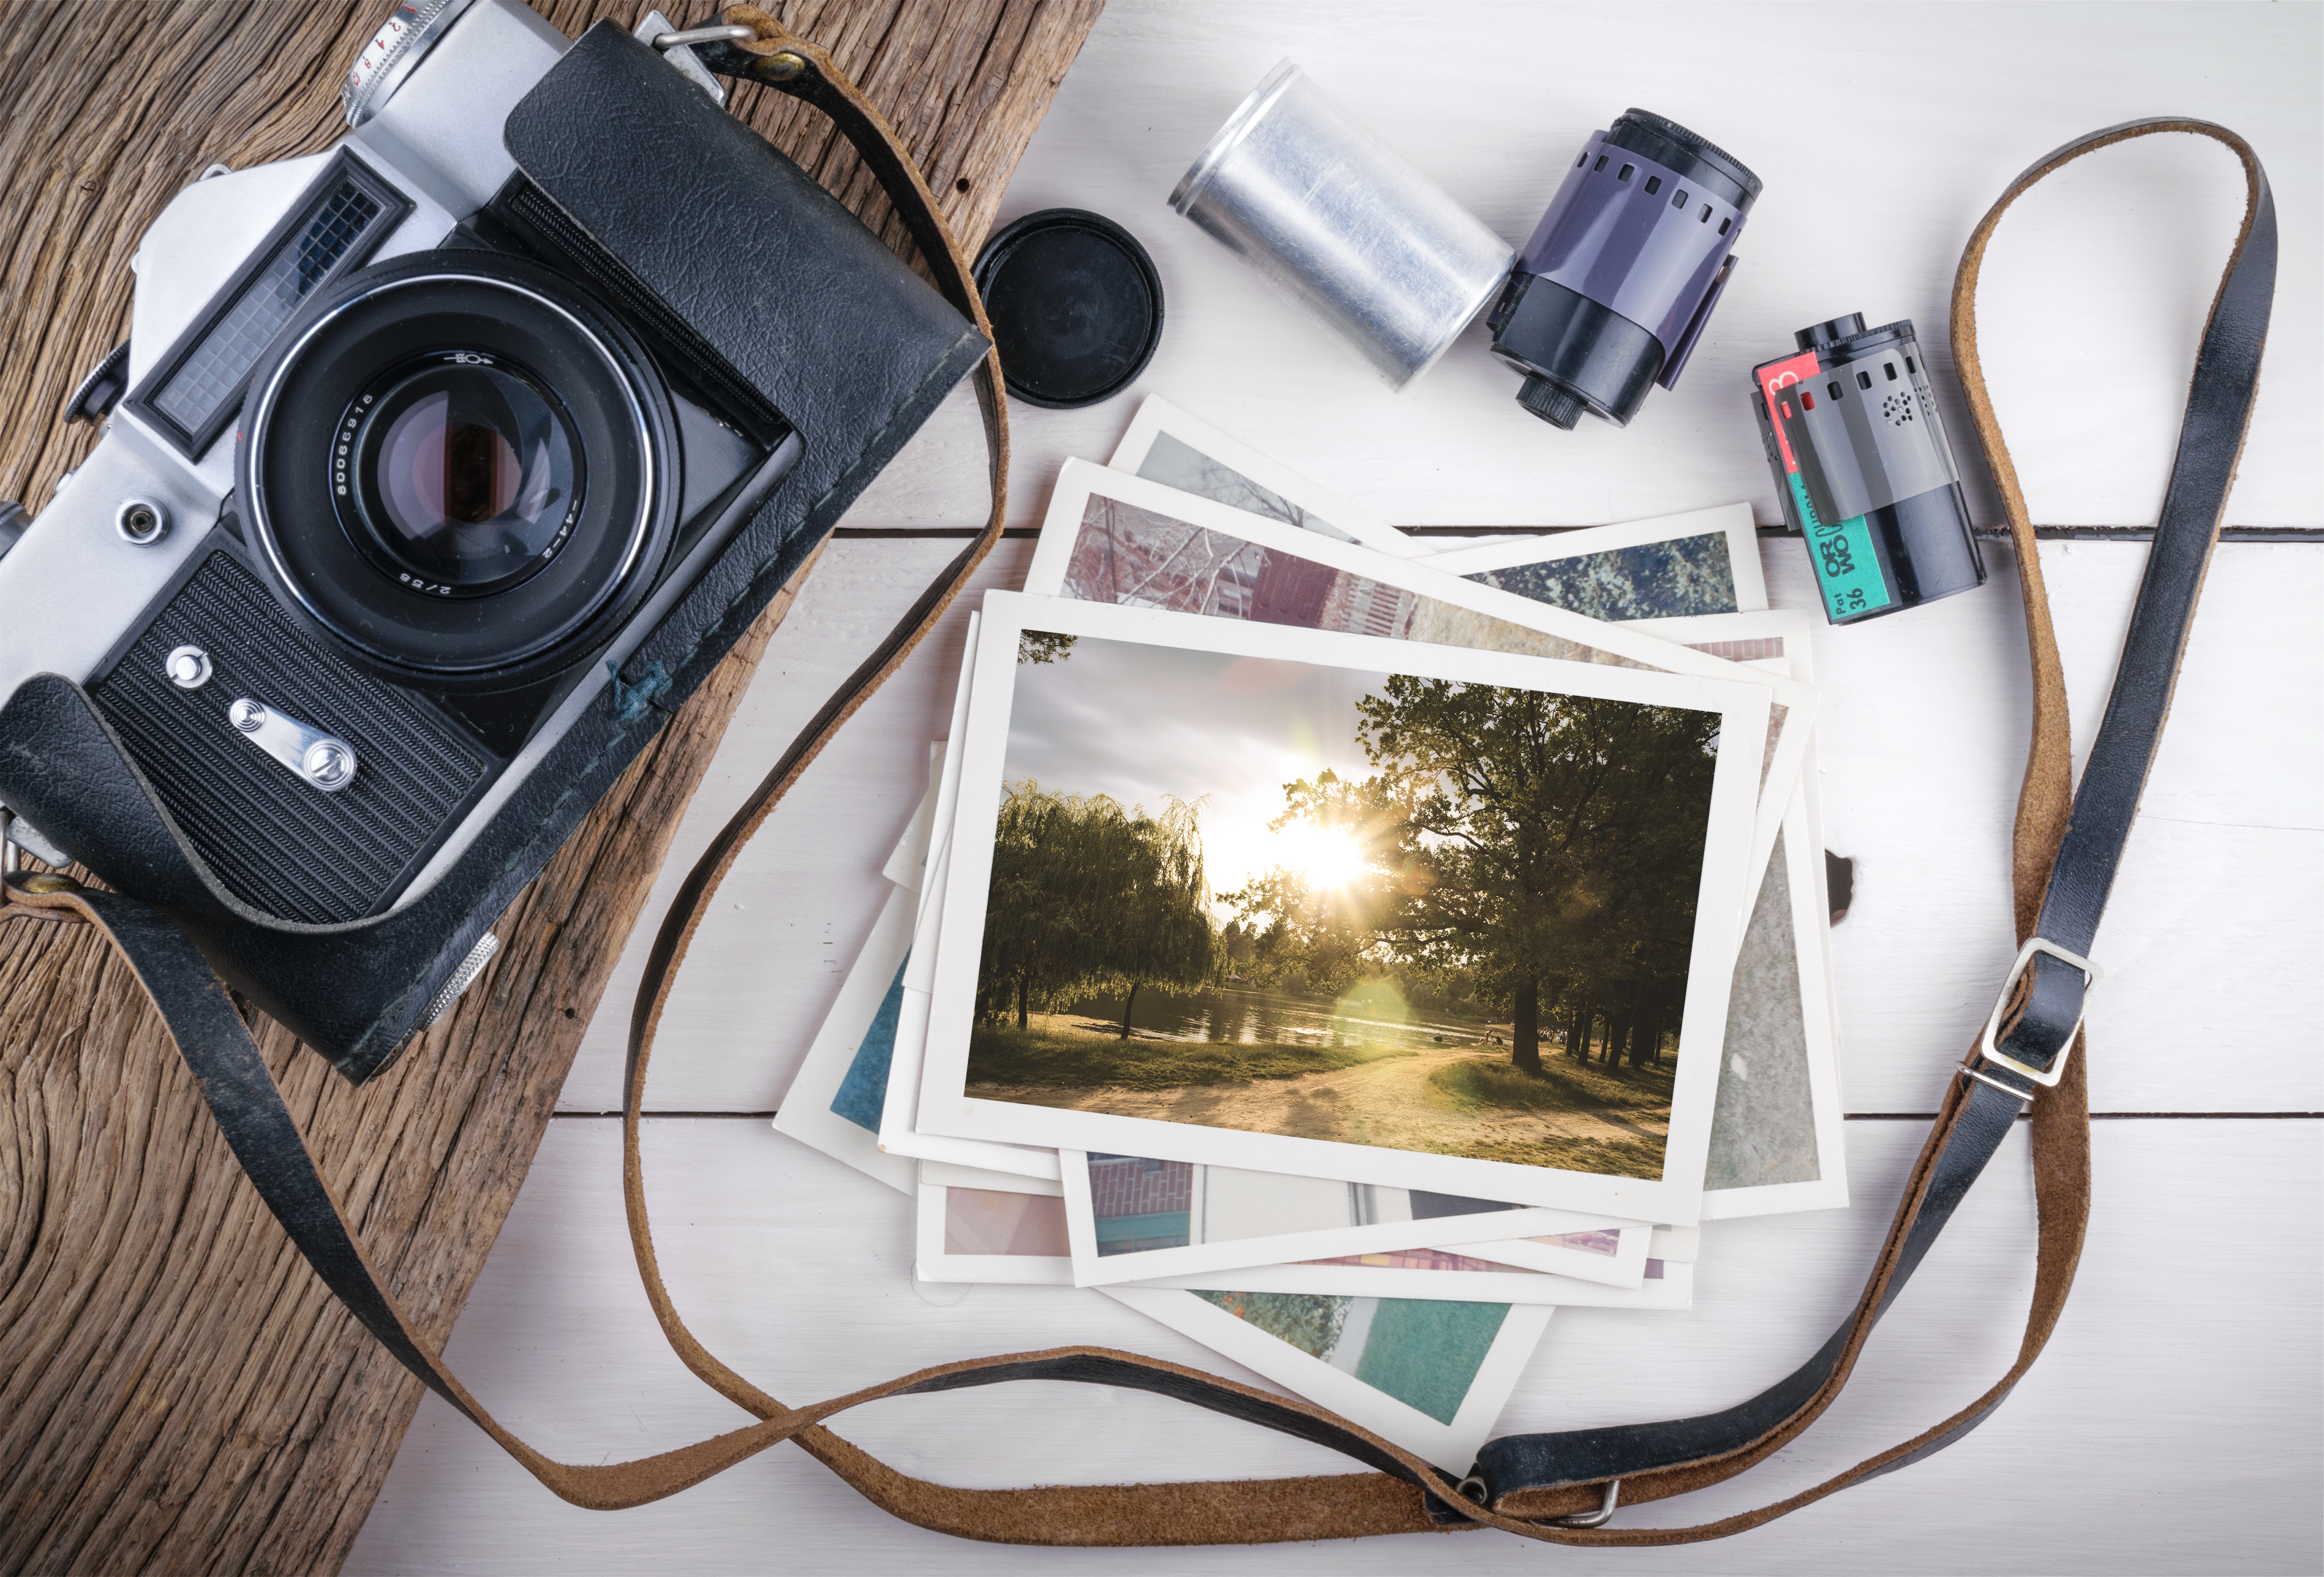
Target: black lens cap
1075,304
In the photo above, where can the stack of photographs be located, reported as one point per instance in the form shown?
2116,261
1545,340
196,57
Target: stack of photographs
1346,952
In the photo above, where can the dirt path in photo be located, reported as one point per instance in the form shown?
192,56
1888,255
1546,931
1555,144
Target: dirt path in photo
1388,1103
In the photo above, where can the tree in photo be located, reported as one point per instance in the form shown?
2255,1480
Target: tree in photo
1545,848
1086,896
1310,1322
1306,931
1042,646
1553,840
1653,580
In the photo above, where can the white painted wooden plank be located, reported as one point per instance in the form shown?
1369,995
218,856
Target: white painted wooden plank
2213,998
1883,132
802,897
2211,935
2172,1427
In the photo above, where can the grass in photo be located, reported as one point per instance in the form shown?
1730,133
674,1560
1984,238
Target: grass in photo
1370,908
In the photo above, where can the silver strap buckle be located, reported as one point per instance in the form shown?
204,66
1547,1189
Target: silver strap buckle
1989,1046
1474,1489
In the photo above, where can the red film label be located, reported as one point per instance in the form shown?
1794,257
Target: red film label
1783,374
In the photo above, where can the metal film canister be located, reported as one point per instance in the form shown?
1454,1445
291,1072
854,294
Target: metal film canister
1862,466
1341,224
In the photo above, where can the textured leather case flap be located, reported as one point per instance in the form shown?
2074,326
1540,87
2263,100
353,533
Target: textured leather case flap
808,305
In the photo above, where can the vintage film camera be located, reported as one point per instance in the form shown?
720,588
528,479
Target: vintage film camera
437,469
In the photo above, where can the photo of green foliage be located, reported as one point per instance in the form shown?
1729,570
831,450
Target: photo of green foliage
1310,1322
1654,580
1369,908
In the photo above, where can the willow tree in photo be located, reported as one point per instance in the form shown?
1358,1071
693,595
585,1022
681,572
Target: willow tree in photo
1087,897
1544,843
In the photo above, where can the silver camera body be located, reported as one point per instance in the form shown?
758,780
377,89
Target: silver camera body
320,666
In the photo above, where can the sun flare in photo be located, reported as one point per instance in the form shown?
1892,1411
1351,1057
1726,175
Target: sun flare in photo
1328,857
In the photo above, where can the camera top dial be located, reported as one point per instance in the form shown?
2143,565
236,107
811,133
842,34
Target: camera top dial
410,30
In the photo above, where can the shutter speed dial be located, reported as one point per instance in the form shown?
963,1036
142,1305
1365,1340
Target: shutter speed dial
410,30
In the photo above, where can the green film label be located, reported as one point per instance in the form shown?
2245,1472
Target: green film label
1846,566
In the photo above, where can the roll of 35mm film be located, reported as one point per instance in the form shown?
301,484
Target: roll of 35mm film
1863,468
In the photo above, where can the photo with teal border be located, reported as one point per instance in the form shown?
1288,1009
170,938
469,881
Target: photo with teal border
1423,1353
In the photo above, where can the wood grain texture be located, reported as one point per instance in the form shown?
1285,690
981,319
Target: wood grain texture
177,1392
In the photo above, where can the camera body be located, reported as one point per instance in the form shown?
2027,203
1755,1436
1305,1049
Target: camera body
443,465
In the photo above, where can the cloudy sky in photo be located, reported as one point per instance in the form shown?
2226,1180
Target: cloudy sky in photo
1138,722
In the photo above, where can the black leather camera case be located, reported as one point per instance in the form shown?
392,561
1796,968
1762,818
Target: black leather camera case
696,222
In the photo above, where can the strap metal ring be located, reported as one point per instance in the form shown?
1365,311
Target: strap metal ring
690,36
1598,1519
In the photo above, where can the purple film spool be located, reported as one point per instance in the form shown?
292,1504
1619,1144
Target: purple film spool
1612,292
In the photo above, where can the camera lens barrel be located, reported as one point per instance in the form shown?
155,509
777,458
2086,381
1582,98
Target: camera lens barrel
1611,293
459,473
457,469
1863,468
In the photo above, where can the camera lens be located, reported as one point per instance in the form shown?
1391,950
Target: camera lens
467,474
499,484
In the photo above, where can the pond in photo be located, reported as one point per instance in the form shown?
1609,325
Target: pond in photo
1246,1017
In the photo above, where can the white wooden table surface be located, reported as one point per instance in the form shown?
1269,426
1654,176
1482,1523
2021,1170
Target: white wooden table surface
2177,1422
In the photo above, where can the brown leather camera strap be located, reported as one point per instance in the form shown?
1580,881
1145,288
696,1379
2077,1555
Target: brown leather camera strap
2063,867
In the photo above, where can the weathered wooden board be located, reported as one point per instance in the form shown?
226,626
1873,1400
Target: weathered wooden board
177,1392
